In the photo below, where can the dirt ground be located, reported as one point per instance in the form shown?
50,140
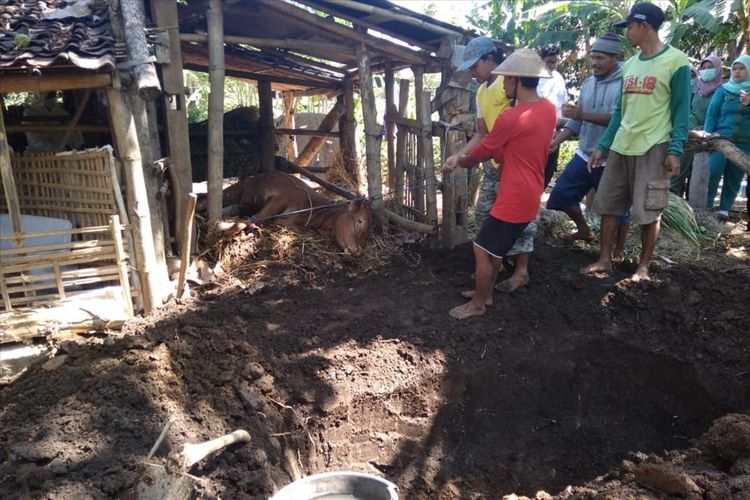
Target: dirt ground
593,382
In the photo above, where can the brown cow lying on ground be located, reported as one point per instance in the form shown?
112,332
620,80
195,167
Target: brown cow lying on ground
273,193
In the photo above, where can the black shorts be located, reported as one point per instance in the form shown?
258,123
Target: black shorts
497,237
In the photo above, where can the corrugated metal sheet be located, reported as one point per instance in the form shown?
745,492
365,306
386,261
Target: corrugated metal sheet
41,33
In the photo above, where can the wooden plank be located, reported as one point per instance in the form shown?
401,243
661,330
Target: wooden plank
9,183
121,262
304,131
401,141
40,127
418,180
429,162
373,131
313,145
50,81
698,195
267,146
275,43
411,123
315,21
390,127
165,16
185,253
290,102
215,22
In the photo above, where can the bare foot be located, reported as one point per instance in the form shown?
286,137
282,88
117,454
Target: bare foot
578,235
469,294
513,283
641,274
598,267
467,310
618,256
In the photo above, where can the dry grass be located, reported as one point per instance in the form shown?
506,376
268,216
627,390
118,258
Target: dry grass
338,175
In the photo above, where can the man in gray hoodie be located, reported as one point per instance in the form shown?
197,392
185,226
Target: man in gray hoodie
588,120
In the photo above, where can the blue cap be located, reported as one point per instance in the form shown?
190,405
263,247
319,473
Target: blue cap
644,12
475,49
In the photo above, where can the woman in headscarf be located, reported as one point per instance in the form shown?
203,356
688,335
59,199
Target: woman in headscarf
728,117
709,79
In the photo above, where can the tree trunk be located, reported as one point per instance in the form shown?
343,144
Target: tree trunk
419,175
373,131
401,138
390,127
348,131
215,20
144,72
702,141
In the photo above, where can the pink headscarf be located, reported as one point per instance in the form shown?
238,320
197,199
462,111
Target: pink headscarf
707,88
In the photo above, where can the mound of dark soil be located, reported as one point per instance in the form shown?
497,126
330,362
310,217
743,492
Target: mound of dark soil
575,380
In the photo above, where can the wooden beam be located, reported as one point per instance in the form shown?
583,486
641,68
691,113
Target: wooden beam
292,167
313,145
373,131
304,131
13,82
290,103
69,130
429,162
404,122
419,175
52,127
215,21
256,77
267,150
316,21
390,127
275,43
401,138
394,16
126,139
308,61
321,92
9,183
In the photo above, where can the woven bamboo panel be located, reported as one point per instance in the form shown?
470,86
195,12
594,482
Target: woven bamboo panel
76,186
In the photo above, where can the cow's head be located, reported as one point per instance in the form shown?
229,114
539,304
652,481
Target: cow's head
352,227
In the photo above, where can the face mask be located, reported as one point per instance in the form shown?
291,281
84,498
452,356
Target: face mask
708,74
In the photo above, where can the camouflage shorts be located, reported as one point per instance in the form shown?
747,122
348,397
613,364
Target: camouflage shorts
485,200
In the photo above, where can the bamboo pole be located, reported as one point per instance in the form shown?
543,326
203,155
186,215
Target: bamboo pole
373,131
267,149
313,145
401,134
394,16
429,162
53,81
390,127
9,182
126,138
121,262
71,126
290,101
215,21
186,241
303,131
175,111
419,171
277,43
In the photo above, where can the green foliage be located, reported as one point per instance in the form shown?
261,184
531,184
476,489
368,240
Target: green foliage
680,216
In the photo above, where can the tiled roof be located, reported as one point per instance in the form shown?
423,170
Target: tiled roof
40,33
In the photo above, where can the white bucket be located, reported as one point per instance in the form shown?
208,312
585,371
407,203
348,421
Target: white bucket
339,486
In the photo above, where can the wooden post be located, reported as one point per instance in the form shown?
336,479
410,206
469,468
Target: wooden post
348,131
267,152
126,139
175,110
401,146
390,127
144,73
315,143
185,246
290,101
428,160
373,131
698,193
121,261
215,21
419,175
9,183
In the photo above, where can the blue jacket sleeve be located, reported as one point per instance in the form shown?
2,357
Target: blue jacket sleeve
714,111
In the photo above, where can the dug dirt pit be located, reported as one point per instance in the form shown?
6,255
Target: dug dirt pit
556,385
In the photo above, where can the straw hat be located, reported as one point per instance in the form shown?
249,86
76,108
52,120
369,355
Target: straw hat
523,62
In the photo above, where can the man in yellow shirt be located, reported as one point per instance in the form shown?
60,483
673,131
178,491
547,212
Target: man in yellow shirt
481,57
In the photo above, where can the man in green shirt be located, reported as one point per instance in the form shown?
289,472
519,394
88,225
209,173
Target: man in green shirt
644,139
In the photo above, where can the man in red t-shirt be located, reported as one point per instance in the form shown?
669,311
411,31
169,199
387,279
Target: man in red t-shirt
519,141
